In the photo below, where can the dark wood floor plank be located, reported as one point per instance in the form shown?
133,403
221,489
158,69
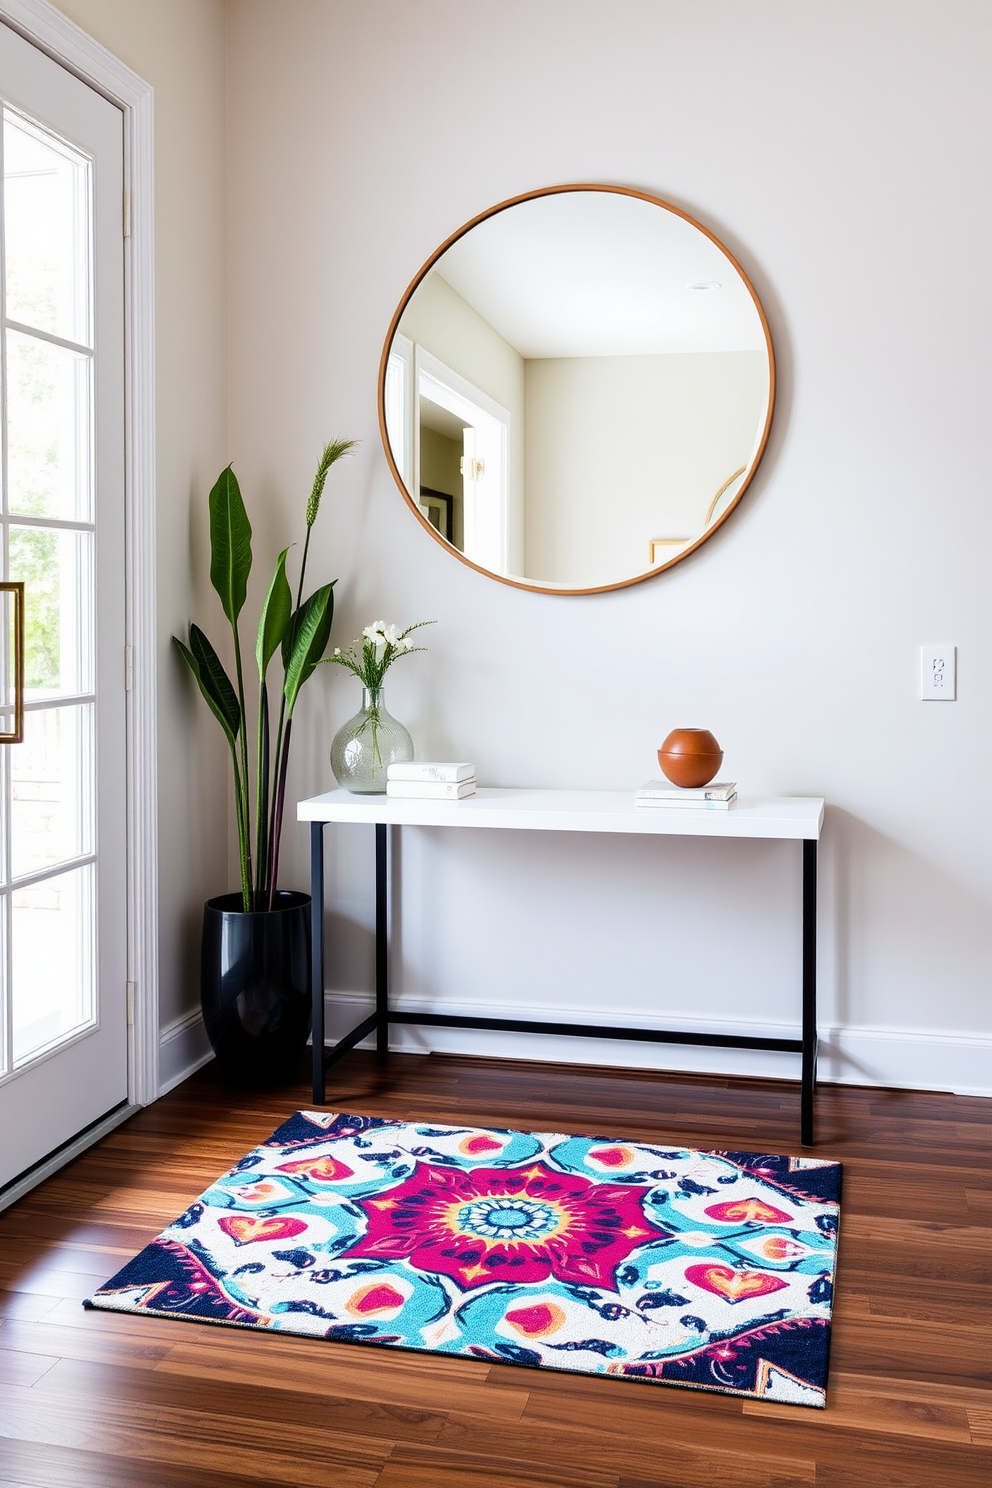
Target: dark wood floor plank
86,1344
25,1305
571,1444
952,1303
855,1411
20,1253
20,1368
329,1370
901,1389
635,1403
409,1468
91,1399
899,1472
903,1350
178,1436
47,1279
929,1251
294,1411
36,1465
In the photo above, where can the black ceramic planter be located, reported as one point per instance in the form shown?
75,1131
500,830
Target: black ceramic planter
255,987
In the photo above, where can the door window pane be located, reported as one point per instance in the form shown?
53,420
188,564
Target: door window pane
57,569
52,789
46,190
48,430
52,954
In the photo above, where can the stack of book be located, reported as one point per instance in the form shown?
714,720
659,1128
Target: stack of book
719,795
431,780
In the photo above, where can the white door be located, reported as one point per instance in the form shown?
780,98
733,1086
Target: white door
63,922
484,492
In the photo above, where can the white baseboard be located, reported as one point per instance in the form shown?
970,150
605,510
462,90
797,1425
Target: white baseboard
183,1048
908,1059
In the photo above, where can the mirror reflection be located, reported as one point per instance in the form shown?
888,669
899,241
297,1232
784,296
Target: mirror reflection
577,389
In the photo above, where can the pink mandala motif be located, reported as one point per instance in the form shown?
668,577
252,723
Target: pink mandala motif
507,1224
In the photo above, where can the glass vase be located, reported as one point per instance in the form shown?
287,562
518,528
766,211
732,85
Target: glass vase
364,746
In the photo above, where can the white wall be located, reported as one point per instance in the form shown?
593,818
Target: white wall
623,449
841,153
179,47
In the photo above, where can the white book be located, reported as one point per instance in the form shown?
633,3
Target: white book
431,790
652,803
431,770
663,790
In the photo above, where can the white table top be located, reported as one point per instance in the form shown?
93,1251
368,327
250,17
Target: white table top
790,817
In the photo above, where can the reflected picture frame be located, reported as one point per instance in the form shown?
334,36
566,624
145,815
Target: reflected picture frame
439,509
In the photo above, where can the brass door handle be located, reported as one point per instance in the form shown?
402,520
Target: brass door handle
15,642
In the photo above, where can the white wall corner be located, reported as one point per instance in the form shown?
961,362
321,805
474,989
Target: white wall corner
183,1048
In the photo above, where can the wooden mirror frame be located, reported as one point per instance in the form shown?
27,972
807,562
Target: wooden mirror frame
513,201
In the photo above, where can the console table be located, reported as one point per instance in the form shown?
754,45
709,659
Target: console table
792,818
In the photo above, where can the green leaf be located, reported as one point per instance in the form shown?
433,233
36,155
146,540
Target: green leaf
292,629
213,681
311,627
194,667
230,544
274,618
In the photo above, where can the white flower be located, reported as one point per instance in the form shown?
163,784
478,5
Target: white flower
374,632
403,644
390,635
337,650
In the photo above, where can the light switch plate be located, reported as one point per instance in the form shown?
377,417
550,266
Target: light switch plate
938,674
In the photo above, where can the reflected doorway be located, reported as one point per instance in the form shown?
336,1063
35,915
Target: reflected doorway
462,439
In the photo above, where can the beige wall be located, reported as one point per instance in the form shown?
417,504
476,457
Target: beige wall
179,47
800,135
621,450
441,469
440,462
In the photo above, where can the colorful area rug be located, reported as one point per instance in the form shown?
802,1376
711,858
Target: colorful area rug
712,1270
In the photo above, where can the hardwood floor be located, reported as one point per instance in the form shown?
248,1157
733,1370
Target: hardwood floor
111,1401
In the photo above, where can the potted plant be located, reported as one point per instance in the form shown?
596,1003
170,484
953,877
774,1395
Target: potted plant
255,953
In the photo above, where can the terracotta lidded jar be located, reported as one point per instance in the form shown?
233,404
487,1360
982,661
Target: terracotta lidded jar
690,757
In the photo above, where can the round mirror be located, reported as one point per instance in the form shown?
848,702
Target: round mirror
576,389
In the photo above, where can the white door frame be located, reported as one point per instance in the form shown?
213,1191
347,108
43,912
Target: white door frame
63,41
469,403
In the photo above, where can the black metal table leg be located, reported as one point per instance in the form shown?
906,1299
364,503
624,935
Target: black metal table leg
381,940
809,992
317,956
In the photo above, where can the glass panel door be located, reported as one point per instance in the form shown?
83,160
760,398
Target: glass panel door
63,1043
49,787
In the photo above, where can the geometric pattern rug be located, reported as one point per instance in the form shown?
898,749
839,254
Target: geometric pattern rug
710,1270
